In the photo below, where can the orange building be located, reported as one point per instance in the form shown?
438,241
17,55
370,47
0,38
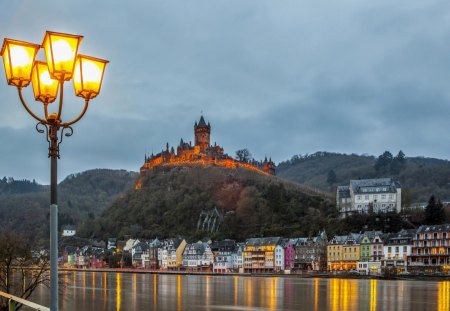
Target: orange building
202,153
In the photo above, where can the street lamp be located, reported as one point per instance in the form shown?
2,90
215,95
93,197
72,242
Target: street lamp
47,78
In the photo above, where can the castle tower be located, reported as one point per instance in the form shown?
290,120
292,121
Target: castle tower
202,133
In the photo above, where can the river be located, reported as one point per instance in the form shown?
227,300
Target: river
125,291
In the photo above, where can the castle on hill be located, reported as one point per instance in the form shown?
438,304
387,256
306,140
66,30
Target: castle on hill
202,153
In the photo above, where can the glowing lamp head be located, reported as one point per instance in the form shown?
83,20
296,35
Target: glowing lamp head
44,87
61,51
88,76
18,59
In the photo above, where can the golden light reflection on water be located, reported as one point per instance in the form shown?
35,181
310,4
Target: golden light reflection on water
155,289
236,285
134,288
93,285
118,290
84,286
373,295
273,295
316,294
444,296
179,292
104,289
207,289
248,292
343,294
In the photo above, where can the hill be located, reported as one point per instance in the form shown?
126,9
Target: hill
24,205
246,203
420,177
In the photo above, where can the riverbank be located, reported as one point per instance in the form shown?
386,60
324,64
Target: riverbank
295,275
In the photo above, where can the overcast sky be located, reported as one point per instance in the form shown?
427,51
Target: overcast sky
278,77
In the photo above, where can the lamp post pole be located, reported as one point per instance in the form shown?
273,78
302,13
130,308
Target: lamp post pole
54,154
63,64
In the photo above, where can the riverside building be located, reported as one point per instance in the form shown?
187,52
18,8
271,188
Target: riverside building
369,195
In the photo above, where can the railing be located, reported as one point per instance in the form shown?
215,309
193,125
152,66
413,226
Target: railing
13,300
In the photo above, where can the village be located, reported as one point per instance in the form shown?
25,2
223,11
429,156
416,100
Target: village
408,252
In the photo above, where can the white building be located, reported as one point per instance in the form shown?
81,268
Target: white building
223,261
363,195
69,230
279,258
197,256
397,249
237,258
369,267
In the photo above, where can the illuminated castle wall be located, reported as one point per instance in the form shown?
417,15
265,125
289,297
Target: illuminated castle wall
202,153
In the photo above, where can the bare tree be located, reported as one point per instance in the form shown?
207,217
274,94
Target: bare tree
243,155
21,269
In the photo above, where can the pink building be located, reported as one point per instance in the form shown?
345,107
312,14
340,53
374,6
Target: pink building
289,254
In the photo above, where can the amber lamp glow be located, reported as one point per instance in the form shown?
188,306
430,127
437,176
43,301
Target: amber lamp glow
61,51
44,87
88,76
47,78
18,58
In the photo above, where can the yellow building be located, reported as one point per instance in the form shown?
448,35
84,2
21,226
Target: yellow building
351,252
335,252
259,253
343,252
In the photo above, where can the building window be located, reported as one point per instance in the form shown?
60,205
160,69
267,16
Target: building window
358,197
366,197
383,197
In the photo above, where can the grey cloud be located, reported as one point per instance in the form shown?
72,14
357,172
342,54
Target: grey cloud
280,78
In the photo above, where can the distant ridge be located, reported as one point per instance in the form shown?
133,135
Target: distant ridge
420,177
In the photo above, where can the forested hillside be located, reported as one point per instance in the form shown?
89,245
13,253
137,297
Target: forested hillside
24,205
170,203
420,177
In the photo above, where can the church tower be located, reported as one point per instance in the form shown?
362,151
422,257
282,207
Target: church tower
202,132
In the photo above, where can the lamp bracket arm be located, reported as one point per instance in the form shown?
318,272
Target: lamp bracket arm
68,124
61,98
22,100
65,134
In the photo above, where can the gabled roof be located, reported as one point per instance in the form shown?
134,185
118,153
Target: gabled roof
263,241
358,184
434,228
340,239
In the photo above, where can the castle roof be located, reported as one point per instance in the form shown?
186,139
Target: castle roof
202,122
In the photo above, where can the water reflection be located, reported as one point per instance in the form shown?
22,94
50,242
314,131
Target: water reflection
109,291
444,296
118,290
373,295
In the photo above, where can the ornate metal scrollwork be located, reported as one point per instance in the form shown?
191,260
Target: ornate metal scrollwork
65,134
42,130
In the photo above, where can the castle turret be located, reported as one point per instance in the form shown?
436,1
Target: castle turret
269,166
202,132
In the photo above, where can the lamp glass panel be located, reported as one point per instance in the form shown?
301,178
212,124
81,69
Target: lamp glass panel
88,76
18,59
45,88
61,51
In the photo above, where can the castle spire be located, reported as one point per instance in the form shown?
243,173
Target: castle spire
202,122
